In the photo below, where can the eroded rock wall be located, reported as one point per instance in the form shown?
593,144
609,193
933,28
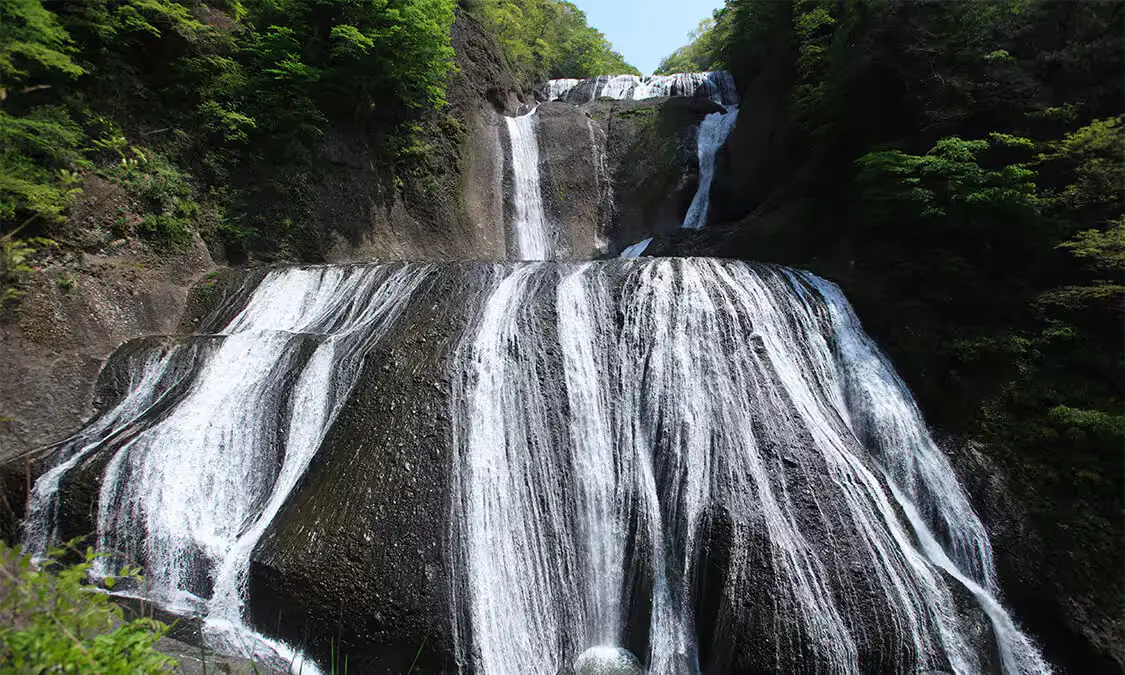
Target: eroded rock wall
616,172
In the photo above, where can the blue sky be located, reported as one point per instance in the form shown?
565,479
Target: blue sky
645,31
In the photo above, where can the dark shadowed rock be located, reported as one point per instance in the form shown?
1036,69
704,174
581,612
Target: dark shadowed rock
359,557
654,163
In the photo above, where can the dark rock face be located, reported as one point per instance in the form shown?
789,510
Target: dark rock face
454,208
653,161
1076,630
15,481
573,180
358,561
615,172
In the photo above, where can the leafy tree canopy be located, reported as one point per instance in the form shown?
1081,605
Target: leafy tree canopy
545,39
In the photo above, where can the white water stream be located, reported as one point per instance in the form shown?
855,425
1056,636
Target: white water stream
190,492
533,241
784,426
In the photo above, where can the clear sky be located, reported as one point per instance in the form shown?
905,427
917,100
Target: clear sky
645,31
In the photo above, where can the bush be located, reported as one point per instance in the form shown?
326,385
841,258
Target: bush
165,196
53,620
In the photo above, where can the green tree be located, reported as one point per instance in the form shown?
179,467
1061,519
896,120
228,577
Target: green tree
545,39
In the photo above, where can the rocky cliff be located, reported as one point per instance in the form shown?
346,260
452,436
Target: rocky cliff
99,291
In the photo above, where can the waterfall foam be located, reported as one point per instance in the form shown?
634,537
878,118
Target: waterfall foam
758,431
529,221
713,132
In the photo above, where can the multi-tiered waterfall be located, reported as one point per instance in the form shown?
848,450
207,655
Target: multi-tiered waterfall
707,463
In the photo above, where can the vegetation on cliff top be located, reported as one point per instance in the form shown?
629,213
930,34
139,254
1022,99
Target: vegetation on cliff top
211,114
544,39
205,112
704,52
960,166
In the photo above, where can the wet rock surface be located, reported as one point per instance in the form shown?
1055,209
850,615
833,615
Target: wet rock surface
72,316
573,180
358,560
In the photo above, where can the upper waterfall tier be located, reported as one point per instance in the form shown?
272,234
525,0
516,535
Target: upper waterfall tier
717,86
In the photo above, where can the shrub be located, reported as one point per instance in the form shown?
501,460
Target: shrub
53,620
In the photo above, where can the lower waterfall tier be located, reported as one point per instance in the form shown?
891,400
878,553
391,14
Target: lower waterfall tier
501,466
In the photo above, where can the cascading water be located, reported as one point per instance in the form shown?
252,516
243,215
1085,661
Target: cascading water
672,457
717,86
784,428
533,242
706,464
713,132
214,433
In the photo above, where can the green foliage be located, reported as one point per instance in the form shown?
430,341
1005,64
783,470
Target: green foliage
15,258
704,52
1103,250
549,39
948,179
1095,156
33,45
51,620
38,151
166,197
209,114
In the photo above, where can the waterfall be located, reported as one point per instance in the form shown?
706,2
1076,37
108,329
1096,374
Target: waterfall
635,250
704,464
713,132
717,86
533,241
215,432
599,144
591,450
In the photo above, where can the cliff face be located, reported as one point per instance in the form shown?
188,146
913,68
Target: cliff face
449,208
95,295
616,172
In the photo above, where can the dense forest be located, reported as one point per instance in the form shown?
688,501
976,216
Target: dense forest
961,168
